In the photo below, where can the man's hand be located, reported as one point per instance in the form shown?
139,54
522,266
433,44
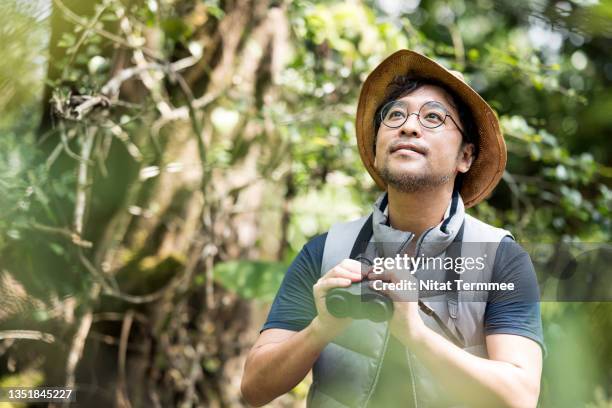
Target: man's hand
406,323
342,275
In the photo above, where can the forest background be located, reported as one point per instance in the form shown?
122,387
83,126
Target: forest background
163,161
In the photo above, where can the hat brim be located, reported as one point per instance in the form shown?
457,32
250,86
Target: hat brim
486,170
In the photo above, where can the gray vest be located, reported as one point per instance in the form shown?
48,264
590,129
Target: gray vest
347,370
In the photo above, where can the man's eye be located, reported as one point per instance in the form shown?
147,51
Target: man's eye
433,116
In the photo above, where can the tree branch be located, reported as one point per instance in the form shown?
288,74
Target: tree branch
123,399
27,335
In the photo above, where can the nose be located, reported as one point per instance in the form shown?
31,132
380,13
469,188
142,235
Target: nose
411,127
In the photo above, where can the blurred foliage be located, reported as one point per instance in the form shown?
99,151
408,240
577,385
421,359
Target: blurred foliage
543,66
251,280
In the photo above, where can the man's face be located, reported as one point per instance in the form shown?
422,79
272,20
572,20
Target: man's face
414,158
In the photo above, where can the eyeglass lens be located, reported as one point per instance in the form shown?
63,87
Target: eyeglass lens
431,115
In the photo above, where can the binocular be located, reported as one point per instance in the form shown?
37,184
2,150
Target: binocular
359,301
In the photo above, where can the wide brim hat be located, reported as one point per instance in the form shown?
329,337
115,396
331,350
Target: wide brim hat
488,167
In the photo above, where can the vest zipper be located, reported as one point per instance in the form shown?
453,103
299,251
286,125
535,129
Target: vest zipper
402,248
420,241
414,390
408,352
379,366
412,382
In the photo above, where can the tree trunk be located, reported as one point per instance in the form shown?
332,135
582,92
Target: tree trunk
161,206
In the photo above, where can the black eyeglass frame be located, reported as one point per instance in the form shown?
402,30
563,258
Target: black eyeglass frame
418,114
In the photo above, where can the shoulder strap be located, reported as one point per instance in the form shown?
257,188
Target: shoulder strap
363,238
348,239
343,240
454,252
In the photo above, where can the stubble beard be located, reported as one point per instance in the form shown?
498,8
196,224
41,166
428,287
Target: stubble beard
407,182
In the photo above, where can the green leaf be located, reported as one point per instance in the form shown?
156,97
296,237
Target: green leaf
473,54
58,249
251,279
67,40
215,12
176,29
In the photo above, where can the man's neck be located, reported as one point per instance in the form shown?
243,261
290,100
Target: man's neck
416,212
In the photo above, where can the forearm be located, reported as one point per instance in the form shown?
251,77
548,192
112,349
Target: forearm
274,369
474,380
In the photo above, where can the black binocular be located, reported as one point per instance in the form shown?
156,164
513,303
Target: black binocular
359,301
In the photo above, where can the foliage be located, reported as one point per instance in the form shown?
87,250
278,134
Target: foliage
251,280
275,127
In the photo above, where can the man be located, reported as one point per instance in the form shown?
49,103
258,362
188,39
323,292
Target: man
435,146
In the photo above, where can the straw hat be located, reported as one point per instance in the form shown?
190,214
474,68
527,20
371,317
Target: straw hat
486,170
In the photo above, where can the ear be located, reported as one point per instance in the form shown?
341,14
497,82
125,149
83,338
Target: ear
465,157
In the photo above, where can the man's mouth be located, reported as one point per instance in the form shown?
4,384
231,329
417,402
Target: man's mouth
407,147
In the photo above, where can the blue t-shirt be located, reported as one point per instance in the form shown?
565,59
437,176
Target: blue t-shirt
294,308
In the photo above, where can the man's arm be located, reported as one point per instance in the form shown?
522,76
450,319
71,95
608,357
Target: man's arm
280,358
510,377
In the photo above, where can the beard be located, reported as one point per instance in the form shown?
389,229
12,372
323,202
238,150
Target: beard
407,182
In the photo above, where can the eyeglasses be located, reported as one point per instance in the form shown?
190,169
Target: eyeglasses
431,115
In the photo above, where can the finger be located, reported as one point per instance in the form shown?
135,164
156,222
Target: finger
342,272
354,266
376,276
386,275
325,284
